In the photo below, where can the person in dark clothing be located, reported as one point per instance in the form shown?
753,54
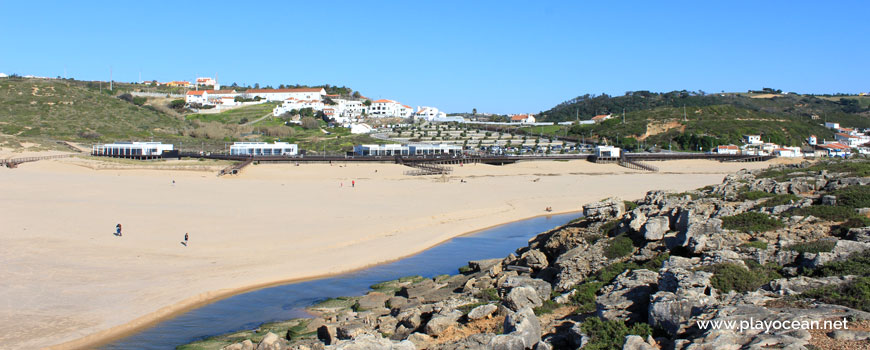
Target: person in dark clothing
118,230
185,239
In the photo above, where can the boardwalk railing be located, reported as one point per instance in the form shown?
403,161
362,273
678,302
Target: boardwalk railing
13,162
236,168
636,165
428,169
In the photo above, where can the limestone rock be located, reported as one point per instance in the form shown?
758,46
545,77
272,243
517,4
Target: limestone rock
372,300
655,227
541,287
482,311
525,325
535,259
636,342
605,210
627,298
522,297
441,322
506,342
271,342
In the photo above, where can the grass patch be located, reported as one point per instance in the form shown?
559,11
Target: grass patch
491,294
755,244
465,269
693,195
336,303
609,227
855,294
779,199
629,205
395,285
619,247
818,246
751,222
826,212
606,335
730,276
584,297
547,308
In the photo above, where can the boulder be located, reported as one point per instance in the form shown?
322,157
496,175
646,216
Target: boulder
627,298
483,265
372,342
577,264
543,288
525,325
247,344
419,289
535,259
800,284
655,227
829,200
351,330
327,334
473,342
611,208
638,220
506,342
420,340
576,337
373,300
411,318
671,312
441,322
522,297
482,311
272,342
636,342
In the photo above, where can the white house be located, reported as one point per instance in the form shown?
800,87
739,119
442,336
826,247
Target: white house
297,104
404,150
134,149
283,94
752,139
830,125
264,149
207,81
789,152
389,108
206,97
522,118
812,140
429,113
607,151
851,140
349,108
835,149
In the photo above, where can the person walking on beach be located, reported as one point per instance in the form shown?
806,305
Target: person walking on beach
185,239
353,183
118,230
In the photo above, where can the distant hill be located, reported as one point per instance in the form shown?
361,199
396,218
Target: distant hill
71,110
710,119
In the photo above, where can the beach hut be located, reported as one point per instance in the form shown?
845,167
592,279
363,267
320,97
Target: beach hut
134,150
264,149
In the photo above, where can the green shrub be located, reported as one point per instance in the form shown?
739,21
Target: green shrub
753,195
491,294
779,199
656,263
609,272
730,276
818,246
608,227
606,335
755,244
751,222
629,205
855,222
855,264
584,297
618,247
465,269
826,212
855,294
853,196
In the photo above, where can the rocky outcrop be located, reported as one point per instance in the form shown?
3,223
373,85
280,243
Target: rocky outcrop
492,305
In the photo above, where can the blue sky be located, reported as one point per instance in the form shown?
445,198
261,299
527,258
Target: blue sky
500,57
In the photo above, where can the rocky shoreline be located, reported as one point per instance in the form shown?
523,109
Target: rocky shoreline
768,247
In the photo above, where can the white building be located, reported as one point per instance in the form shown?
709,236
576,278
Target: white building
789,152
297,104
204,81
264,149
752,139
607,151
208,97
283,94
601,118
419,149
830,125
851,140
429,113
390,109
812,140
349,108
728,149
131,149
522,118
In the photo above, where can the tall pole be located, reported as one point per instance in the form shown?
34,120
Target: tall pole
111,80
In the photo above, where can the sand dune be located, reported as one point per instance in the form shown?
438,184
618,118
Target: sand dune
67,280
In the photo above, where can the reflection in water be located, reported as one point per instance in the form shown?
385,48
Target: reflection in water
249,310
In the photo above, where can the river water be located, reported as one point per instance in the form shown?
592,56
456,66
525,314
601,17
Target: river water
284,302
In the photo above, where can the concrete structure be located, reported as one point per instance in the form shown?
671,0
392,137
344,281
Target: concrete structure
830,125
264,149
812,140
131,149
834,149
607,152
789,152
283,94
752,139
405,150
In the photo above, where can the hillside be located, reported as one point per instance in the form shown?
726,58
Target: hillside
64,110
710,120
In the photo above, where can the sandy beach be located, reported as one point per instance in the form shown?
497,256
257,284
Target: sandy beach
68,282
